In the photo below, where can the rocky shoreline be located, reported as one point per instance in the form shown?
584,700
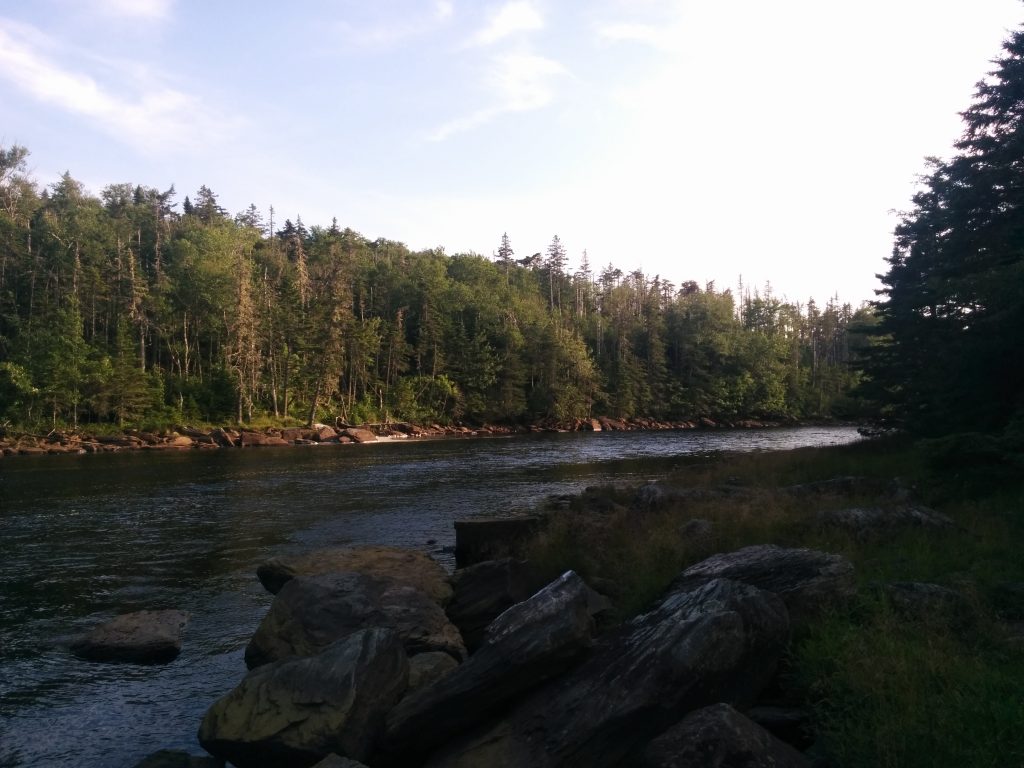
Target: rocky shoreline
375,656
184,438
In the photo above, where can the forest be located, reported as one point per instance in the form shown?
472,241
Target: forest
121,309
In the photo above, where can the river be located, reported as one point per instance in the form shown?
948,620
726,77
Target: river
83,538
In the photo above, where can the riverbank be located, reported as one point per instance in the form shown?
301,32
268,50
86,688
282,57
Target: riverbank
851,605
184,438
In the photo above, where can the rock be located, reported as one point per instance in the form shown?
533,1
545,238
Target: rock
174,758
720,736
718,642
927,602
251,439
181,441
428,668
142,637
865,521
486,538
698,530
807,580
324,433
298,711
483,591
789,724
359,435
526,645
406,567
592,424
334,761
311,612
850,485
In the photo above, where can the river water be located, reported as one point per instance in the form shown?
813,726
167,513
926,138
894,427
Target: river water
83,538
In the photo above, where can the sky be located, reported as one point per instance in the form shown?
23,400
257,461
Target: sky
768,142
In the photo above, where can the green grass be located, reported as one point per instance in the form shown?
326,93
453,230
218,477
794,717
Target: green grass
884,690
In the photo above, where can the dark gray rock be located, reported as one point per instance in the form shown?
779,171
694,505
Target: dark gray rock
427,668
311,612
929,602
527,644
792,725
807,580
405,567
872,521
142,637
486,538
299,711
851,485
335,761
174,758
481,592
718,642
720,736
697,531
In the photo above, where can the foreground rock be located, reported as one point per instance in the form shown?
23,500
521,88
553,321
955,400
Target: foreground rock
311,612
142,637
404,567
720,736
298,712
483,591
718,642
526,645
807,580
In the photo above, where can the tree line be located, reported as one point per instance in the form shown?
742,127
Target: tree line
122,309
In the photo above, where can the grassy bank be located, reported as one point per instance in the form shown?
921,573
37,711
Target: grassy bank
943,688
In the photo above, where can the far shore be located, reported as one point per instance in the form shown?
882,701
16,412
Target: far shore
185,438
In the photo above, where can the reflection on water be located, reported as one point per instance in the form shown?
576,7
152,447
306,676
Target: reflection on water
85,537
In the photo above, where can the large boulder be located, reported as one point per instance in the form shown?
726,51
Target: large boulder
720,736
488,538
405,567
427,668
142,637
527,644
311,612
299,711
358,435
718,642
807,580
481,592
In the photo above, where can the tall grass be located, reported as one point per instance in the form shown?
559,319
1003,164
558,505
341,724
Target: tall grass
883,689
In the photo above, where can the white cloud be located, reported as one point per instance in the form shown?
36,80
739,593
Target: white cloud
522,82
142,112
516,16
648,34
134,9
444,9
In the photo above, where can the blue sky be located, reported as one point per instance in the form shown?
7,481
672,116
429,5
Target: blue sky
694,140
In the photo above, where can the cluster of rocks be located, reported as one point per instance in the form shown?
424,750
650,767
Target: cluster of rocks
374,656
182,438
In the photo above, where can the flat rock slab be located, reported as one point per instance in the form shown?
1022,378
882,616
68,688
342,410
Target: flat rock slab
720,736
484,590
807,580
142,637
300,711
406,567
527,644
311,612
876,520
